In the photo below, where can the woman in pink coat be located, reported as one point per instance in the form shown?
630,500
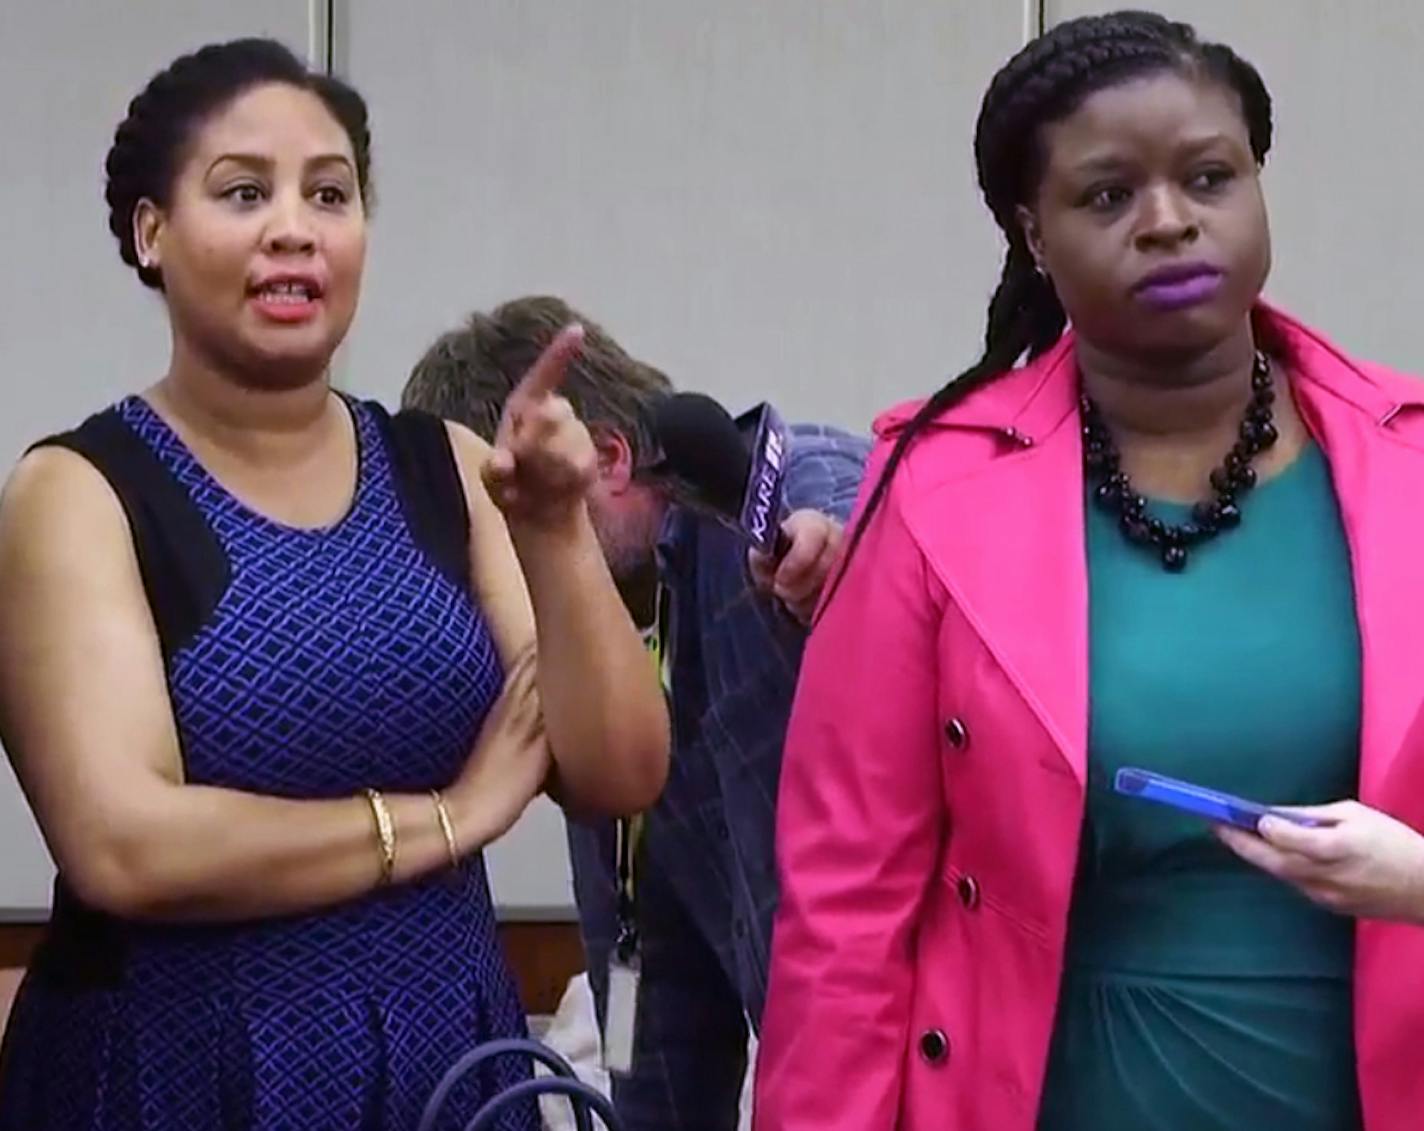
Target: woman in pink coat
1187,536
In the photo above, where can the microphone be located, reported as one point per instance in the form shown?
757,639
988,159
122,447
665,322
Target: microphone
735,470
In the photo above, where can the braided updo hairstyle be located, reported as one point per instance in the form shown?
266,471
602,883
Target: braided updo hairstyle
149,144
1045,83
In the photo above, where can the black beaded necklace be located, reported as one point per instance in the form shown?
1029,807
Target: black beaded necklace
1115,494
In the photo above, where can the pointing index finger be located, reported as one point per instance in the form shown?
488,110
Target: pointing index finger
547,373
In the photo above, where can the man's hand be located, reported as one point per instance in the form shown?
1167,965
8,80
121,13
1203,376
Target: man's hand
797,577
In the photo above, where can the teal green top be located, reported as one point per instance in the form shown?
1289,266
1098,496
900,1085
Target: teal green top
1200,994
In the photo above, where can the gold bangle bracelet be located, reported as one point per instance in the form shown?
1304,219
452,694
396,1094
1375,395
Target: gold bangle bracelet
447,827
385,833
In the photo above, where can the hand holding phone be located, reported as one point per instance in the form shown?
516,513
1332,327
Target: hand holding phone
1212,804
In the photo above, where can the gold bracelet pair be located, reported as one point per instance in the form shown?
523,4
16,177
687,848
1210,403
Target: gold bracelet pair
386,831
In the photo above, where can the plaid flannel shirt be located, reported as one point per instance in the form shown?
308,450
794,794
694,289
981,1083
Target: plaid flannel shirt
706,869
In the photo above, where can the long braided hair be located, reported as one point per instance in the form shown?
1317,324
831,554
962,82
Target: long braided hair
1044,83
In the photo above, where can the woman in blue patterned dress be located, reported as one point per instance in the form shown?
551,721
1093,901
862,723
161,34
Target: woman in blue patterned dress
268,663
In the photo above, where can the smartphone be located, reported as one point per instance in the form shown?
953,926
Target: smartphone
1208,803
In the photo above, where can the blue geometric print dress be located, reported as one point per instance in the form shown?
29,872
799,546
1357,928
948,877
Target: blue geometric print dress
301,664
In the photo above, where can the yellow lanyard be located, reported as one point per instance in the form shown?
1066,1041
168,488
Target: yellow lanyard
654,638
630,829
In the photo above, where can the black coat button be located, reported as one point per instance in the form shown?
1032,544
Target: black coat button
934,1046
968,892
956,733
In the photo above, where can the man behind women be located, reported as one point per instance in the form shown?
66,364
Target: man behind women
703,882
269,672
1185,537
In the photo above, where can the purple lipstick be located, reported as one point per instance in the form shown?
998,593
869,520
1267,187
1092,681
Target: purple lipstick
1179,286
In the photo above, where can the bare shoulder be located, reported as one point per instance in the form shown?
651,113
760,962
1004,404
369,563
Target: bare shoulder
69,579
56,500
495,572
471,454
470,450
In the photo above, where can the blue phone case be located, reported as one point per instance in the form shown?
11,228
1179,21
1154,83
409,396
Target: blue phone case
1208,803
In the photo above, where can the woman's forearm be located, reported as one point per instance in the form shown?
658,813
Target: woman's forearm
197,853
603,708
